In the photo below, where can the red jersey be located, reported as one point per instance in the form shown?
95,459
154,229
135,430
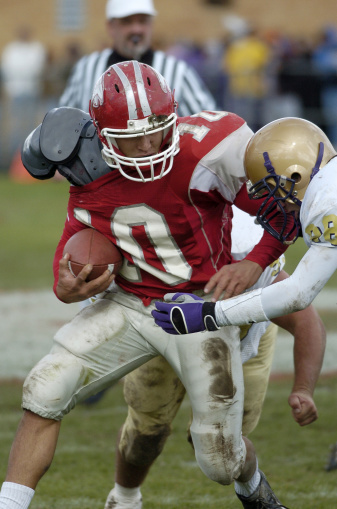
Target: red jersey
174,232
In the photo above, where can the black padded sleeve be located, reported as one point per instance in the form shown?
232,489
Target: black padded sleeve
33,160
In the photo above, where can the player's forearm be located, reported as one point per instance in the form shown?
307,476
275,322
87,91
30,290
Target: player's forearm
308,360
293,294
266,251
67,233
259,305
309,347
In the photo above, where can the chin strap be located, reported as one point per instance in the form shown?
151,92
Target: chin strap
267,163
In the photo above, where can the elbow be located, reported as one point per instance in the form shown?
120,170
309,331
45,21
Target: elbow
299,303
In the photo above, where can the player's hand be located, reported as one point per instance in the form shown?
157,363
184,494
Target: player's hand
233,279
184,313
76,289
304,410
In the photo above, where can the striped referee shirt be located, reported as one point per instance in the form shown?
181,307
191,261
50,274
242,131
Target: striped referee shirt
190,92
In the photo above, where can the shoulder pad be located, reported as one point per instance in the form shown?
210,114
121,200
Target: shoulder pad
66,141
90,154
33,160
88,164
61,131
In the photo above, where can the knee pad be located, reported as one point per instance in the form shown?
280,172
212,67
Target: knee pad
140,449
154,390
154,394
220,456
50,389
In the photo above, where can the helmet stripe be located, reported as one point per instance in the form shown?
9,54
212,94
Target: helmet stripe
130,98
141,90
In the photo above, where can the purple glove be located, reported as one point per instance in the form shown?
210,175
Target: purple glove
185,315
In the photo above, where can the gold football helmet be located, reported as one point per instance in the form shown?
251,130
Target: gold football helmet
280,161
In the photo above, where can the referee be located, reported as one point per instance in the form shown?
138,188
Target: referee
130,26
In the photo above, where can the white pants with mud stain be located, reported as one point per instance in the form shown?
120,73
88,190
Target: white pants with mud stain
115,335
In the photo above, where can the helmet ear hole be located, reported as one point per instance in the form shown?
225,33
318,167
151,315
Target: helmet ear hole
295,150
149,81
296,177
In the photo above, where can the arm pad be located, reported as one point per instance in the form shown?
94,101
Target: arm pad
66,141
33,160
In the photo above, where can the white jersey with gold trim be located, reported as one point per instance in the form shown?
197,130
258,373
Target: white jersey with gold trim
319,208
319,224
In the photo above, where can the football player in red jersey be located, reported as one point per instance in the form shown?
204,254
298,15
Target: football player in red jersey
164,197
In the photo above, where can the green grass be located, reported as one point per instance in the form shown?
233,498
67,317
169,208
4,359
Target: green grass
31,222
81,475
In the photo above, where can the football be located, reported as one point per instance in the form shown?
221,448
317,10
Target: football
90,246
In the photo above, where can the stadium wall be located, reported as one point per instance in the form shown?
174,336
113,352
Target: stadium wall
197,20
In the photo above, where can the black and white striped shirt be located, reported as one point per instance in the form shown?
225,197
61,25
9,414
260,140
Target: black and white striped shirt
190,92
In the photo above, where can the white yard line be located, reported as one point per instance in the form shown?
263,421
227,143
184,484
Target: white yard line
30,319
283,358
327,299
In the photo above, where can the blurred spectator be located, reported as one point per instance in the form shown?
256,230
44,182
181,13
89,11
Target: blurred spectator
206,60
58,70
245,63
298,79
193,54
234,26
325,62
22,65
278,103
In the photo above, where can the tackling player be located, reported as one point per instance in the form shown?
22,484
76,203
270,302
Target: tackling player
164,196
154,393
293,166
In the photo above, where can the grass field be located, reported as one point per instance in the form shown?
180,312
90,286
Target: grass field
81,476
31,219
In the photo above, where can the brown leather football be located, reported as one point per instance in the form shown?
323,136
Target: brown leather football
91,246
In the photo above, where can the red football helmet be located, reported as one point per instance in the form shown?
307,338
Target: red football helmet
132,99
